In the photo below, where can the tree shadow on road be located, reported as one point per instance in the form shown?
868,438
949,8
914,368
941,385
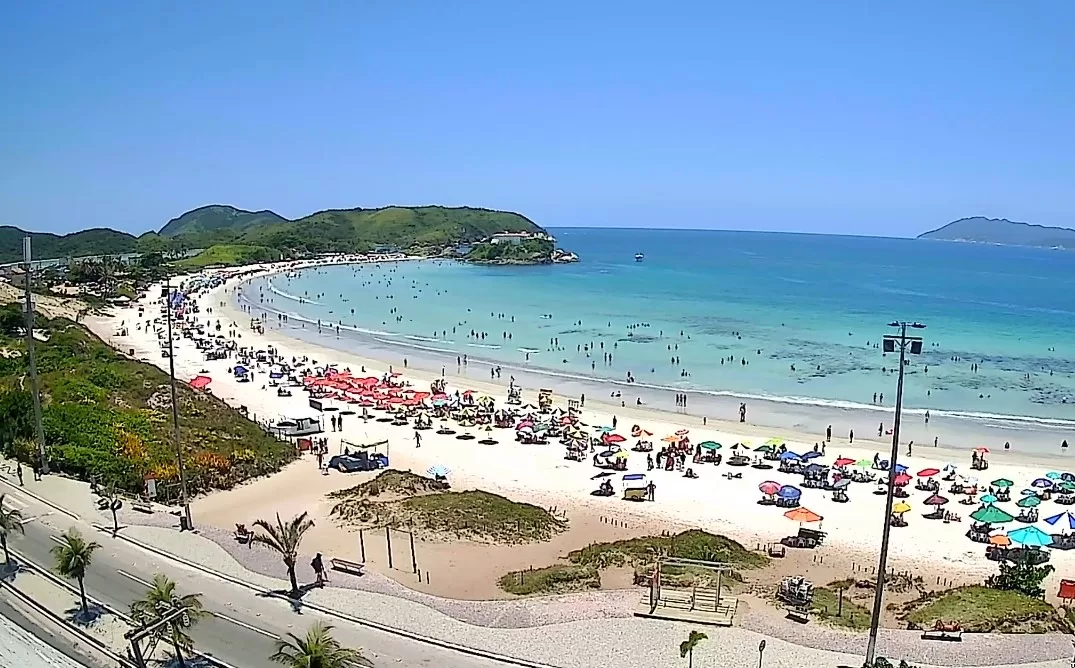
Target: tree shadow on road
294,601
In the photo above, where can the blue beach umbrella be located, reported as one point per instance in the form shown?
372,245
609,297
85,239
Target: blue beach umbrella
438,471
1031,536
1070,477
811,455
789,492
1061,516
1052,475
1042,483
790,455
900,468
605,430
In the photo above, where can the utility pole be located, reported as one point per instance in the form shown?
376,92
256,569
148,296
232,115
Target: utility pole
906,344
39,431
175,412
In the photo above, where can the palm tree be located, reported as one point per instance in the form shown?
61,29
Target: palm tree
161,600
686,648
317,650
285,539
10,524
73,556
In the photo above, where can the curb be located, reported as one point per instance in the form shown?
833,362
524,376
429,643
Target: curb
40,499
403,633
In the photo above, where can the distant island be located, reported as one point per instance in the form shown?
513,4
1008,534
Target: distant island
227,235
1005,232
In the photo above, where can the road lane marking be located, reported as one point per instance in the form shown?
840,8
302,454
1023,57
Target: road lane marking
246,626
134,577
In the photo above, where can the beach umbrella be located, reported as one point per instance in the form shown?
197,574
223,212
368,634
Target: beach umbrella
901,508
926,473
988,498
1070,477
935,500
1042,483
200,382
438,471
842,483
606,429
814,468
613,438
1052,475
770,487
814,454
901,468
1066,514
671,439
991,515
864,463
525,424
1000,540
982,451
775,442
607,453
1066,485
710,445
789,492
1028,502
1003,483
622,455
764,448
902,480
843,461
1031,536
790,455
803,515
683,432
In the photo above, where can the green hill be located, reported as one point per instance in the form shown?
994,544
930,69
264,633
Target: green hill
96,241
217,218
418,229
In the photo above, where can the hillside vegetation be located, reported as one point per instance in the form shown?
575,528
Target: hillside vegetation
229,255
422,229
97,241
528,251
108,416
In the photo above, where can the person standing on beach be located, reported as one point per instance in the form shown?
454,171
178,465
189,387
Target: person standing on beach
319,570
909,444
828,434
851,436
927,417
742,412
417,439
880,429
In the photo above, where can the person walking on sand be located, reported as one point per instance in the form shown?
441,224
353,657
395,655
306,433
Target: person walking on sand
417,439
18,470
828,434
880,429
909,444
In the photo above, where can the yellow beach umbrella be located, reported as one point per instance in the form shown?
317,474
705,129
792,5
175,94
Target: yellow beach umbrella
901,508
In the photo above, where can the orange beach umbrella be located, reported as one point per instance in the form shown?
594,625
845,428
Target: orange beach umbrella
803,515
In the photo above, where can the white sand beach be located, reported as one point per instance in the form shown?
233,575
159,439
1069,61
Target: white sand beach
539,473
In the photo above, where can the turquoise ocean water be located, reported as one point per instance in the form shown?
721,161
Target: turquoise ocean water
805,312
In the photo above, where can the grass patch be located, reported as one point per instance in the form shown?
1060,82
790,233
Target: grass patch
427,506
983,609
229,255
827,609
109,417
559,579
693,544
391,482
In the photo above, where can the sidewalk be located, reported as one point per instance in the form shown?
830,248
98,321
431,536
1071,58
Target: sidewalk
583,643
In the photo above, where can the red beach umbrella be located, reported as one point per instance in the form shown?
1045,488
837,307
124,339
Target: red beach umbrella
613,438
396,400
925,473
844,461
902,479
769,487
200,382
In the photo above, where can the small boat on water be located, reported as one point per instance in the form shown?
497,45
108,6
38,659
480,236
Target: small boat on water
639,257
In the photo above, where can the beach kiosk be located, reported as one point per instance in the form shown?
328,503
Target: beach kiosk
297,427
635,487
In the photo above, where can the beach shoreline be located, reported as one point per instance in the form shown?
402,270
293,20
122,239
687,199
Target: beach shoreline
541,477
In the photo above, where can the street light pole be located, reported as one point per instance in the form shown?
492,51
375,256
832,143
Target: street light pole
39,431
175,410
906,344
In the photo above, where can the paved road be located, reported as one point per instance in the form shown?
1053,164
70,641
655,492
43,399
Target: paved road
244,627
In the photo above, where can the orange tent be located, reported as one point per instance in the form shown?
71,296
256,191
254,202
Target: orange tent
803,515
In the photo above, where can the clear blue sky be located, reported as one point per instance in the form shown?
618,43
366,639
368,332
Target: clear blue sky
846,117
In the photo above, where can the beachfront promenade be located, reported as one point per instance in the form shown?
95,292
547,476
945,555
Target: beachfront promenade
537,631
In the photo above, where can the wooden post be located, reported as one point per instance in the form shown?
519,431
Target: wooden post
720,574
388,542
362,545
414,560
840,603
